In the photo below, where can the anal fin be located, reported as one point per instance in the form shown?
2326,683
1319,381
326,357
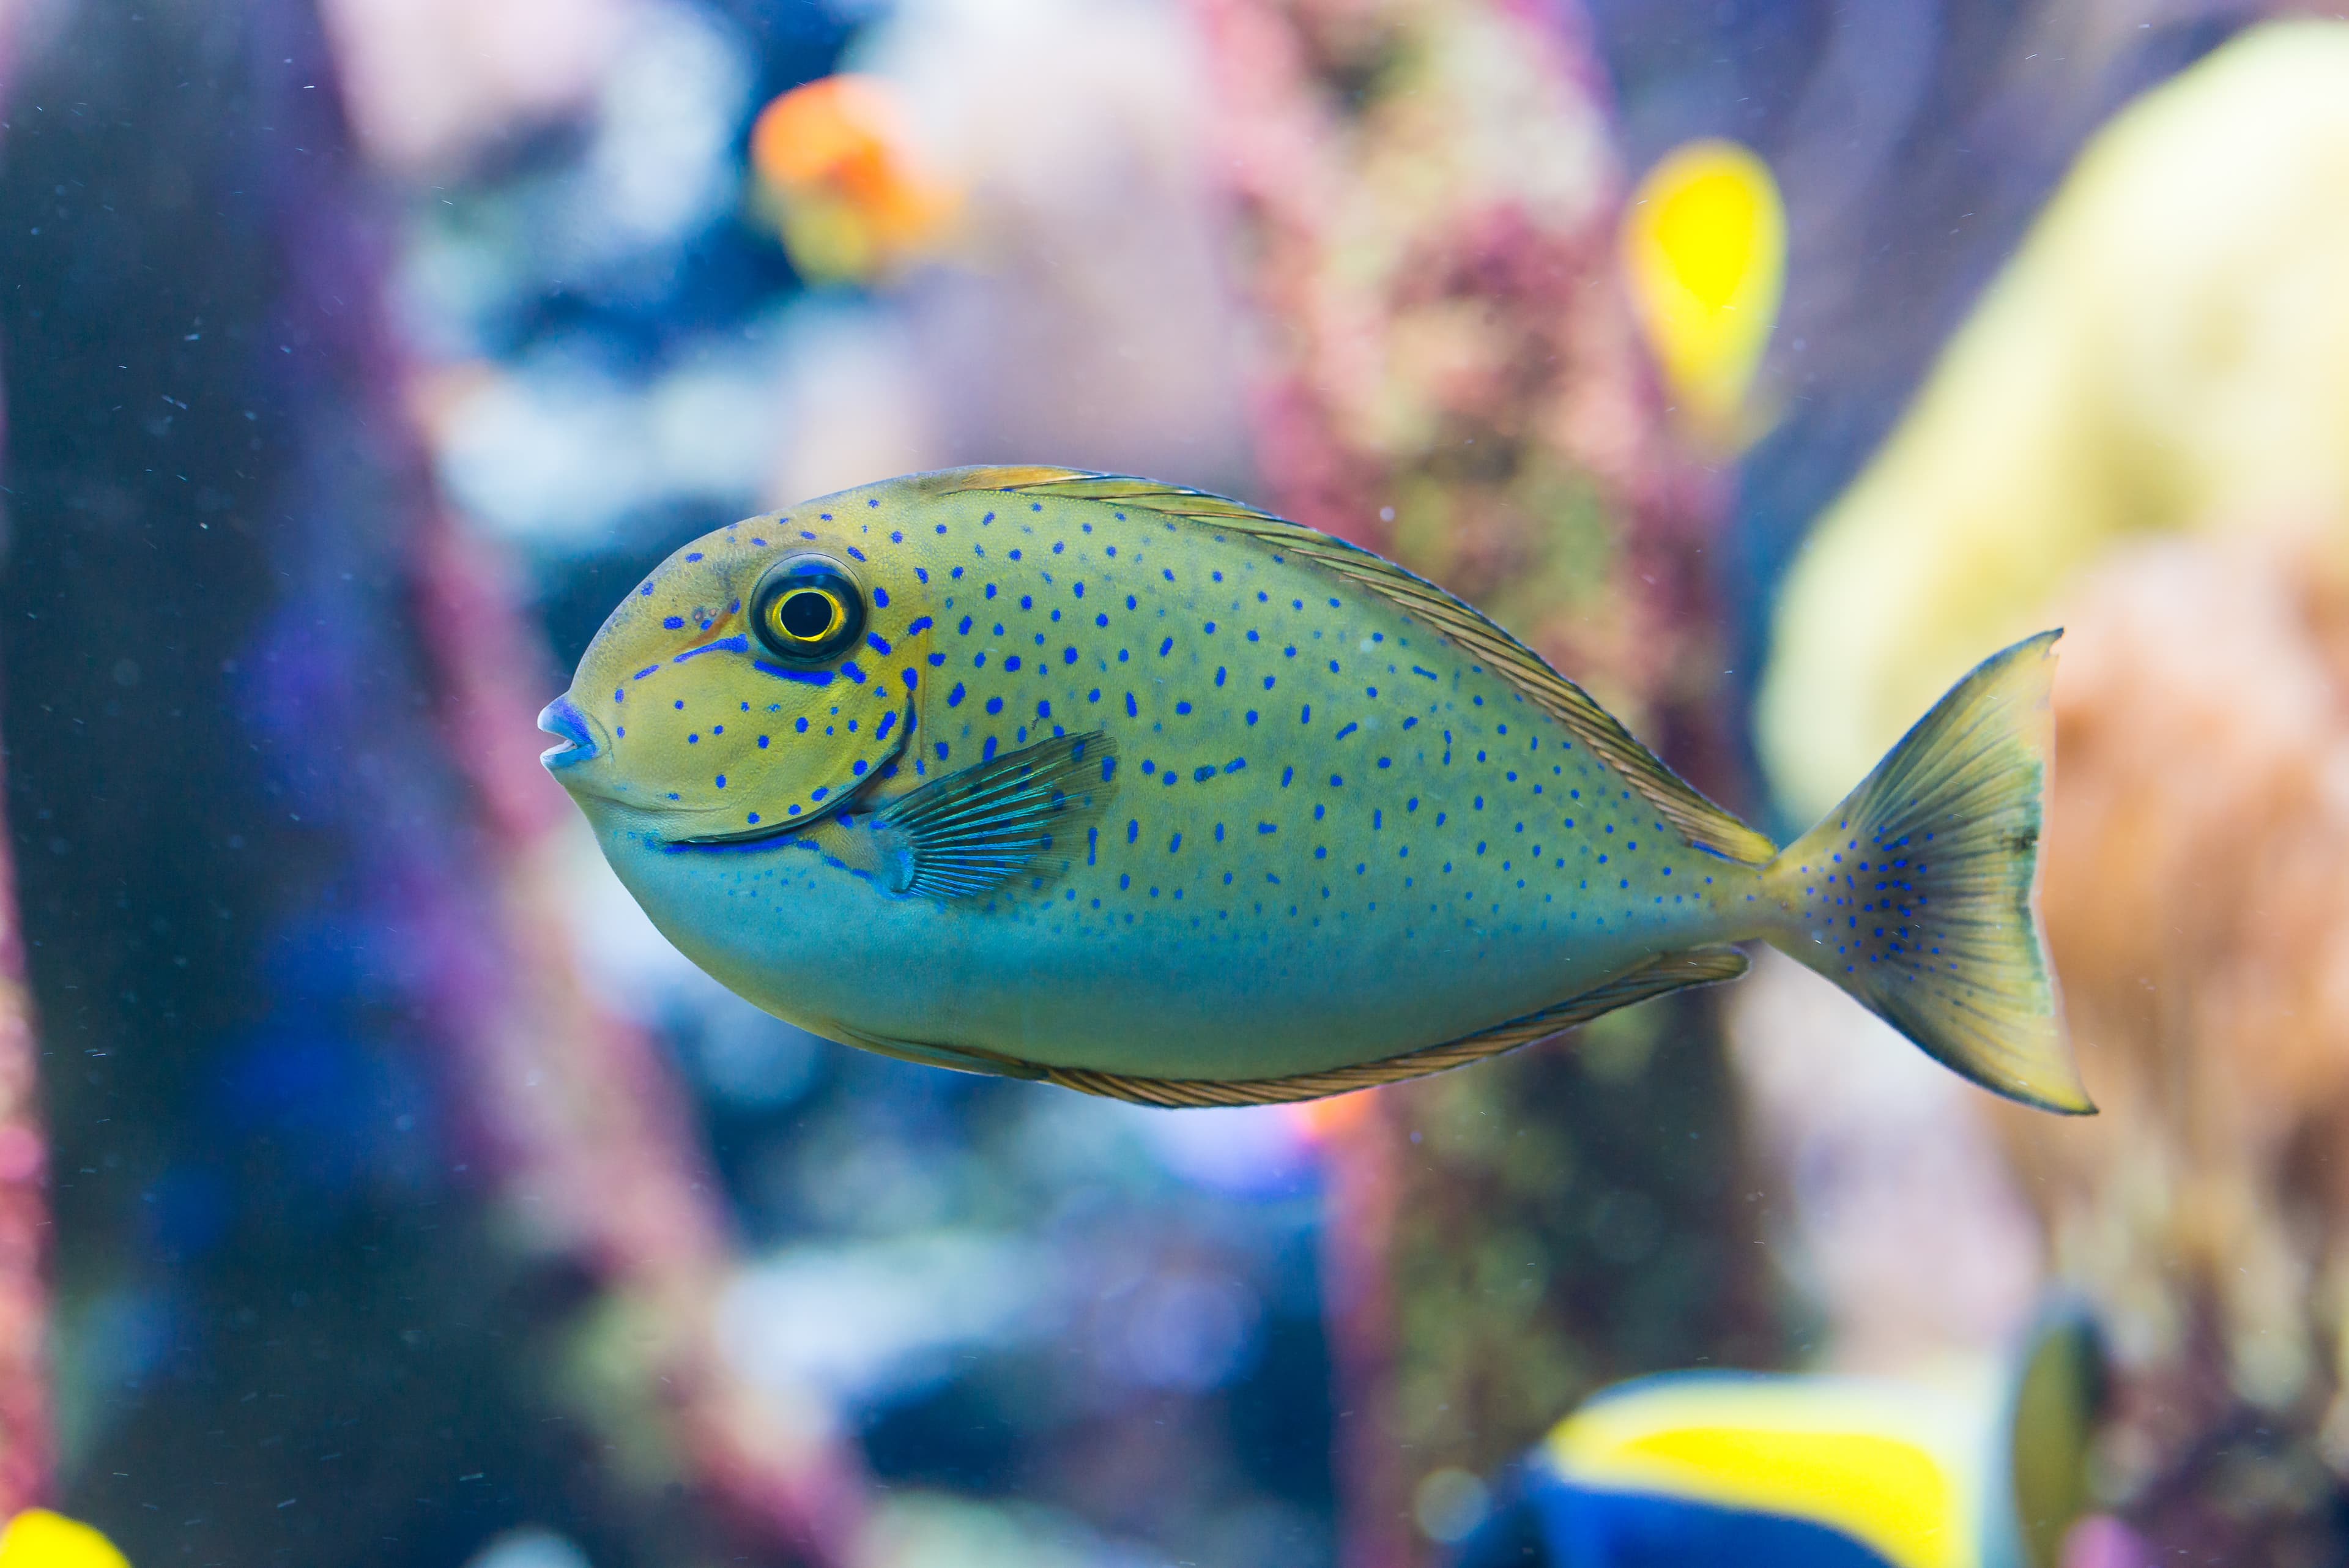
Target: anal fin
1658,976
952,1057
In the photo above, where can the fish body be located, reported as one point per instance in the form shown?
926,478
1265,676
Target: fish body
1141,790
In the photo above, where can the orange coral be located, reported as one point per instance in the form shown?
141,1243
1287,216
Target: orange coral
2197,900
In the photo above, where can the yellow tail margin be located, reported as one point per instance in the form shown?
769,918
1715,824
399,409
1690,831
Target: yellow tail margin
1919,894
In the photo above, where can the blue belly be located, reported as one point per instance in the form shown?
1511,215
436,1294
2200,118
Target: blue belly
1260,987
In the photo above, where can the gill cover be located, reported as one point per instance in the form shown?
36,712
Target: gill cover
754,682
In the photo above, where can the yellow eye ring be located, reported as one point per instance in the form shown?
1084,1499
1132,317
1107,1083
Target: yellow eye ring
806,615
807,609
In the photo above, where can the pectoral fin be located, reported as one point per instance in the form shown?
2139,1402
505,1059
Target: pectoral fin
1018,815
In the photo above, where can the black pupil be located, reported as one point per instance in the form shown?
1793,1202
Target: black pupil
806,615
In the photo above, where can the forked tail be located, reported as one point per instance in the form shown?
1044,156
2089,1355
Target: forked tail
1916,895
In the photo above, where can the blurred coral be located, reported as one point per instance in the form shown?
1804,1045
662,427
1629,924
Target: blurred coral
27,1442
2162,356
605,1211
1900,1221
1448,370
2196,900
429,84
2170,350
27,1404
27,1438
2166,355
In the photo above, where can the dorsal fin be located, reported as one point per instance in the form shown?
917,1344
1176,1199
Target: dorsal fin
1695,818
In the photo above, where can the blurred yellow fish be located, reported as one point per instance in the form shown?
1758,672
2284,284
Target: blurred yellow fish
850,189
39,1539
1705,246
1150,794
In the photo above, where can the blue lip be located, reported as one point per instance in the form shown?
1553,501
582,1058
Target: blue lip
560,719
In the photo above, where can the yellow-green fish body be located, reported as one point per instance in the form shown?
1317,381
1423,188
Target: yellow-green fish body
1139,789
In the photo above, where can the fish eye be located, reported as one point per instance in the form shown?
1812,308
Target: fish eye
806,608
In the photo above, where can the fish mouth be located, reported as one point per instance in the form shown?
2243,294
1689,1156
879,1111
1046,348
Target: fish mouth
574,729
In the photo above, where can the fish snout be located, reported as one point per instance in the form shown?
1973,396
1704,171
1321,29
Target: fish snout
582,738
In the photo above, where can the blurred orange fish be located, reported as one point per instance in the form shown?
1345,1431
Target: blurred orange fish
848,187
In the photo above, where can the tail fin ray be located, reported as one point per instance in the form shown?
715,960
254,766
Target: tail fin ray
1917,895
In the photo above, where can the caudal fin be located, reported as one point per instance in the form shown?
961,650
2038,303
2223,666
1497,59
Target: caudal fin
1916,894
